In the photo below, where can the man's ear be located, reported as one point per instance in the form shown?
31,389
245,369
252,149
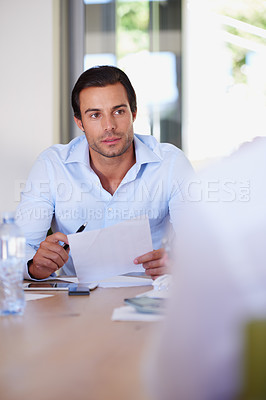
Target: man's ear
134,114
79,123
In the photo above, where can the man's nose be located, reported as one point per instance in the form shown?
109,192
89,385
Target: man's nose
109,123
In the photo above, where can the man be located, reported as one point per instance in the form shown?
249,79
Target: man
102,177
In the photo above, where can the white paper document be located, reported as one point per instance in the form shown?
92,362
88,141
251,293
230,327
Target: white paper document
124,281
128,313
36,296
69,279
110,251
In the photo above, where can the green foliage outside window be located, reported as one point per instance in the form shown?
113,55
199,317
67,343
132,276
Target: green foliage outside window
252,12
132,27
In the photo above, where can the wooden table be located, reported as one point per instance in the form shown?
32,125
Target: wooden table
66,347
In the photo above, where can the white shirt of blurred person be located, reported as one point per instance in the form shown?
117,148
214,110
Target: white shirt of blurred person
219,282
115,167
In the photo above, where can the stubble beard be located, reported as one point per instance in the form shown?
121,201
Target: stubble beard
116,153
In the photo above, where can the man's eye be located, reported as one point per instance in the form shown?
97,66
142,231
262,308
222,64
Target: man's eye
95,115
119,112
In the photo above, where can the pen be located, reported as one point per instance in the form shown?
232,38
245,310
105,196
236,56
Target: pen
80,229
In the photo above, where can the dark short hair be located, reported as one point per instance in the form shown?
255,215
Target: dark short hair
100,76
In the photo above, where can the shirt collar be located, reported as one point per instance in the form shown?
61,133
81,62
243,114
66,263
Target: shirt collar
79,152
145,154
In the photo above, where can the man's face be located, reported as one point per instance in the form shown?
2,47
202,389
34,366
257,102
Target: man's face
106,119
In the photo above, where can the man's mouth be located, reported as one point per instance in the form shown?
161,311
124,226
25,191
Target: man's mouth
111,140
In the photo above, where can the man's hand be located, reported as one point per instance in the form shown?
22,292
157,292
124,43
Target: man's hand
49,257
155,263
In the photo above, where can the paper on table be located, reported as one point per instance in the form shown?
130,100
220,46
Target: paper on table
162,294
110,251
128,313
70,279
114,281
124,281
36,296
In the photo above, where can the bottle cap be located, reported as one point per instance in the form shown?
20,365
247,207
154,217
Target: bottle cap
8,216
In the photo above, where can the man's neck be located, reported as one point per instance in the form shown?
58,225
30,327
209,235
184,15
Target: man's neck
111,171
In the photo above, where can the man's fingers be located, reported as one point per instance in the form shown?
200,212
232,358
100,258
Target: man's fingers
54,251
57,237
45,263
152,264
49,257
58,256
152,255
154,273
155,263
42,267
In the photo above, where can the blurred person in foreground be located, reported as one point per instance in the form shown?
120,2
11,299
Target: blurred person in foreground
219,282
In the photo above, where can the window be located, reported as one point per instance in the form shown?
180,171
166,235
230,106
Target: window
144,39
225,80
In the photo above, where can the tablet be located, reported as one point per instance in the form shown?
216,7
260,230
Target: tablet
46,285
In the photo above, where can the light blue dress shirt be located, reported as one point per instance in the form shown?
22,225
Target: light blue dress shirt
63,192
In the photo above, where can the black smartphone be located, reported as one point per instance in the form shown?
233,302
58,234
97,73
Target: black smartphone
147,304
78,290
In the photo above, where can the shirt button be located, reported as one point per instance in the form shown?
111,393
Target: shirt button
110,209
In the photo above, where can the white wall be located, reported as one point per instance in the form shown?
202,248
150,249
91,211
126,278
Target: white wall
26,90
